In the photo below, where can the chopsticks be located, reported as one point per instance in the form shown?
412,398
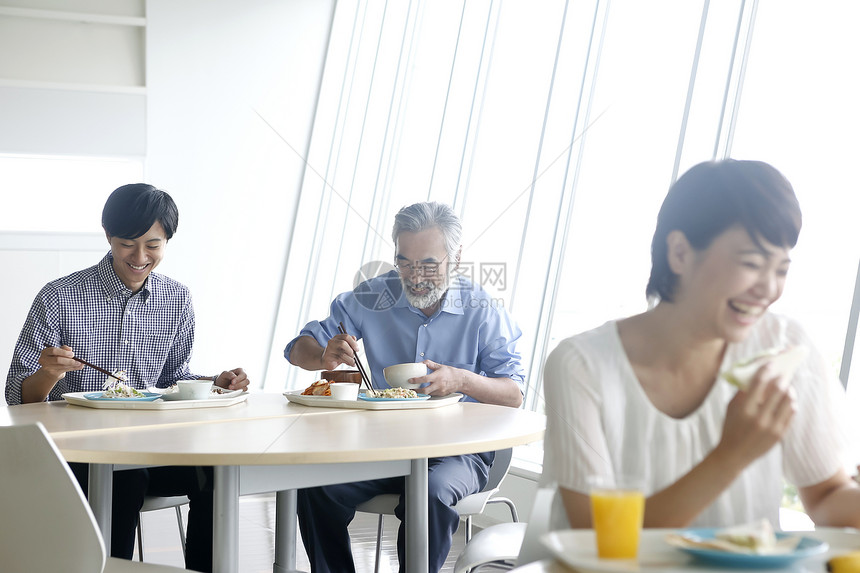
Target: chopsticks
85,363
364,376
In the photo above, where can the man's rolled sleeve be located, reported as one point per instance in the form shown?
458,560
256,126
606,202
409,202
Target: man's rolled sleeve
40,328
325,330
176,367
500,357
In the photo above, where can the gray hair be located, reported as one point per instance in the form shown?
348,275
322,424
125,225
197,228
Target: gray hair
421,216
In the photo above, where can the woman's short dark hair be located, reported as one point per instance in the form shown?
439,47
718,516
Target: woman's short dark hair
132,209
714,196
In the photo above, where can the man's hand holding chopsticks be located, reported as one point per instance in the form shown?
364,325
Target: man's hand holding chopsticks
56,361
341,349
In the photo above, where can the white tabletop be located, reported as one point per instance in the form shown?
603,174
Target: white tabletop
269,433
299,435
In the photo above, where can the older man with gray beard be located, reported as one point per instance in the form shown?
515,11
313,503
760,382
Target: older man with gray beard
420,312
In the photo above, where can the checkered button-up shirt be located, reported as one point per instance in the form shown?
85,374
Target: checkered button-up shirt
148,334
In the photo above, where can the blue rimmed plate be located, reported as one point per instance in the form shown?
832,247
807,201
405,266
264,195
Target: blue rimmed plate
807,547
147,397
369,399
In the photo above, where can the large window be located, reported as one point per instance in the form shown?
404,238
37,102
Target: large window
555,129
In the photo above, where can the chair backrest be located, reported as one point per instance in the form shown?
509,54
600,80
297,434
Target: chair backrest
474,504
499,469
46,522
538,524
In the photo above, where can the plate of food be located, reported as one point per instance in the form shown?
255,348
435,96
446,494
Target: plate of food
393,394
137,396
753,545
318,395
117,389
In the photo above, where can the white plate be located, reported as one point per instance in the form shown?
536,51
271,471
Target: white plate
168,394
329,402
577,549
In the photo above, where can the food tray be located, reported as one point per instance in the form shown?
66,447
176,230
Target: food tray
296,397
78,399
174,394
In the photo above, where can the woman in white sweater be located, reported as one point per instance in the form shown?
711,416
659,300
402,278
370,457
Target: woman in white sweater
642,396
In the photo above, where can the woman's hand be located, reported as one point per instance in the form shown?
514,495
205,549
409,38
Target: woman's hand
757,418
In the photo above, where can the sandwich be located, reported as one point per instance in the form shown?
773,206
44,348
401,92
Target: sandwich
784,361
757,536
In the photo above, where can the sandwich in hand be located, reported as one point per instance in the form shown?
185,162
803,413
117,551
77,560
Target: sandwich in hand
784,361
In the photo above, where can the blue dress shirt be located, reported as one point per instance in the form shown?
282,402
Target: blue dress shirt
470,330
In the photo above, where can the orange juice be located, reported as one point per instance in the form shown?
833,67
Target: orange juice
617,519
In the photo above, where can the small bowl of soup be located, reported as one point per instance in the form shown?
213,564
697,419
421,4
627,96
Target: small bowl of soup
194,389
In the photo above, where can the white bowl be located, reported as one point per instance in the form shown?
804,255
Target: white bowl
398,375
344,390
194,389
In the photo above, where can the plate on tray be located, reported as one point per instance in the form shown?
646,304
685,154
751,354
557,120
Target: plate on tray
378,399
147,397
296,397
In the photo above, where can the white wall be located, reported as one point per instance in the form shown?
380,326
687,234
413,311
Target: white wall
214,67
43,121
216,72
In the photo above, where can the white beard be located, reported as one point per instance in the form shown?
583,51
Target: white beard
433,295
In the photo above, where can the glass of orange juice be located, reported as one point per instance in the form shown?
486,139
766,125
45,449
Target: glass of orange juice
617,508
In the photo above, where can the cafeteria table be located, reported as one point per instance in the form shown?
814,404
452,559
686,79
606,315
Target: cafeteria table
267,444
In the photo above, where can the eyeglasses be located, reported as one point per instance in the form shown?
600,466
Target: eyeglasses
422,269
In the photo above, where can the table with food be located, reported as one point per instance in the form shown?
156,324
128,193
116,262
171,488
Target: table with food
755,546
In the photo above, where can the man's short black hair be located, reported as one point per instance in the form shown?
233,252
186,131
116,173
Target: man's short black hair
132,209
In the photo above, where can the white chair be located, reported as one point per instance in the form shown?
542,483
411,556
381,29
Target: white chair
467,507
155,503
509,545
46,522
